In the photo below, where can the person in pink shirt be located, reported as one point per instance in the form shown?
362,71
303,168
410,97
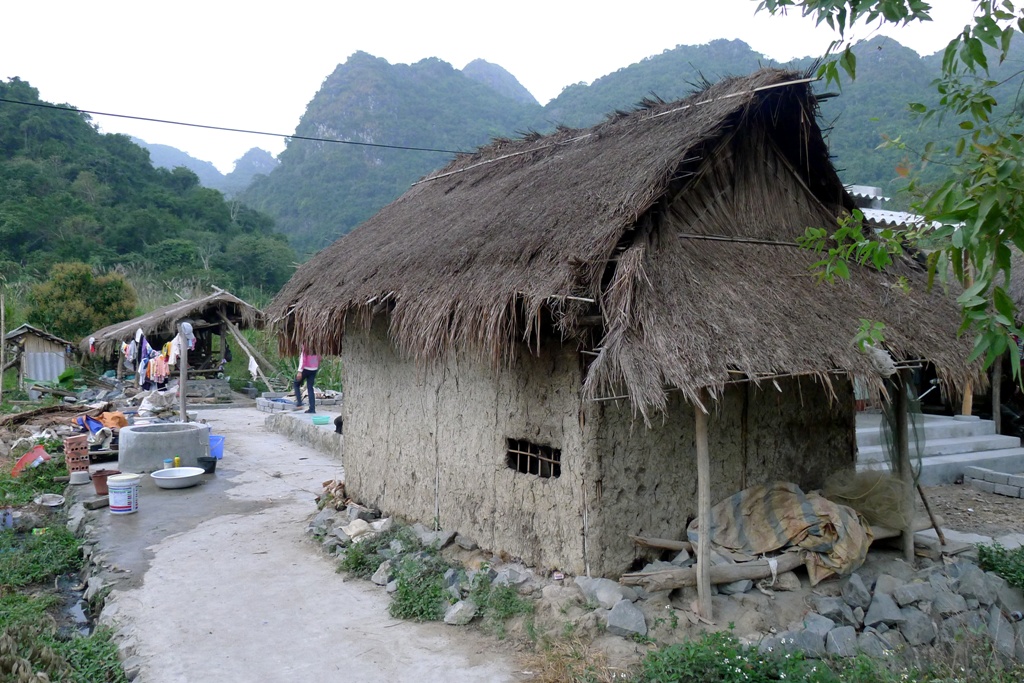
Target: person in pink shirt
308,365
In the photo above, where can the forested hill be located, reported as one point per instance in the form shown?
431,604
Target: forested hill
70,193
321,191
254,162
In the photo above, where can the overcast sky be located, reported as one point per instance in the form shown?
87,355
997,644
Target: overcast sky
256,65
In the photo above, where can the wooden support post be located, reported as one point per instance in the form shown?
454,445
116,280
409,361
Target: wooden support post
182,375
906,473
703,509
997,380
237,334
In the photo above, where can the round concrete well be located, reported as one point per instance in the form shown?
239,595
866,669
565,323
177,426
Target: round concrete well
143,448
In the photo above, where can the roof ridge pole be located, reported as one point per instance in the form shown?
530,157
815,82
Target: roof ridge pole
906,471
703,507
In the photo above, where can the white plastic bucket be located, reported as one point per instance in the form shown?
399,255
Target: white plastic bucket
123,493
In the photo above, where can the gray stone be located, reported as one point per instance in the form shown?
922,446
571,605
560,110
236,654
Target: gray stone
973,583
873,644
392,586
1018,631
382,525
972,472
383,575
330,544
939,581
1010,541
324,520
1008,598
858,615
94,585
343,538
796,640
603,592
960,625
855,593
397,547
883,610
948,603
910,593
465,542
817,624
787,581
1015,480
973,604
683,559
887,584
359,512
657,565
917,627
1001,632
625,619
842,641
461,613
511,576
834,608
736,587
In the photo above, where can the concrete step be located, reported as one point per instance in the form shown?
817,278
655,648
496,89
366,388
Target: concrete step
945,469
940,447
870,434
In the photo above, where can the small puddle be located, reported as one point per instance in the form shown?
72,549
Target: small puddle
74,613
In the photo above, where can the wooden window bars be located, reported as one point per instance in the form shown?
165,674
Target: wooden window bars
530,458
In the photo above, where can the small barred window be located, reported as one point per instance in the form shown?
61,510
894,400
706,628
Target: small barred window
530,458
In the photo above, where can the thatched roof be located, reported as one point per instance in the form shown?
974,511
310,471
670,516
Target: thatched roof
163,321
673,227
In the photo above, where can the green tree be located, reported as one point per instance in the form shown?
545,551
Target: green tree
74,301
981,205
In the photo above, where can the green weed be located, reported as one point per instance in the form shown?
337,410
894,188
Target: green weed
1008,564
420,595
20,490
17,608
26,559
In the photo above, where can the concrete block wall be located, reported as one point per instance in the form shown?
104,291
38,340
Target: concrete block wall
990,481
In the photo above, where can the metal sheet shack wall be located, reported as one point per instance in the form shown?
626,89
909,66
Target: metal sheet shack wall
428,443
648,476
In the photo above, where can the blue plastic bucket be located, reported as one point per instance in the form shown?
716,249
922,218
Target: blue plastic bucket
216,446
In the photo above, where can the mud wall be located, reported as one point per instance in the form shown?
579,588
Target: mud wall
647,477
430,443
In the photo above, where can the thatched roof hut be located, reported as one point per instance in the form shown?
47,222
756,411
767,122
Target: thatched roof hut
204,312
502,323
479,255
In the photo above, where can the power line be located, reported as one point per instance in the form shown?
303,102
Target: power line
43,105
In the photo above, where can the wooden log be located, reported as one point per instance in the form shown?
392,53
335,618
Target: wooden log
182,375
904,467
237,334
703,571
668,579
52,390
661,543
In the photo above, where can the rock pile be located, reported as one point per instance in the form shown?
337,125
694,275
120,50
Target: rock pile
934,606
887,606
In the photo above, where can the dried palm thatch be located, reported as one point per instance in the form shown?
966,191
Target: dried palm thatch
674,226
163,321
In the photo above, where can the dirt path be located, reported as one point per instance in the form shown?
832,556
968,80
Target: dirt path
967,509
226,586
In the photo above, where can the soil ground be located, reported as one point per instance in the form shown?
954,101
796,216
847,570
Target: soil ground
967,509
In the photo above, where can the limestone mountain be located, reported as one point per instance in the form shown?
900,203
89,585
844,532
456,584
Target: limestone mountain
498,79
165,156
255,162
322,190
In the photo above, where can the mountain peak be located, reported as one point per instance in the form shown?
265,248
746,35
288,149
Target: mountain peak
498,79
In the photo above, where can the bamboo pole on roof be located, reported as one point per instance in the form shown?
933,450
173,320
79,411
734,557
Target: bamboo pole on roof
703,509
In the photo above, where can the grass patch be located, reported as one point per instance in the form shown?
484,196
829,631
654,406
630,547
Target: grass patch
497,603
32,649
27,558
17,608
420,595
1008,564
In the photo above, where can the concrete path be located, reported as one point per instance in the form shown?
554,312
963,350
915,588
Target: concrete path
224,584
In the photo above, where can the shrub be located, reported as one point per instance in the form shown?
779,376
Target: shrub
420,595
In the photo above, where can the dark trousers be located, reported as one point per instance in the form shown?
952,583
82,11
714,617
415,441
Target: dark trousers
309,376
